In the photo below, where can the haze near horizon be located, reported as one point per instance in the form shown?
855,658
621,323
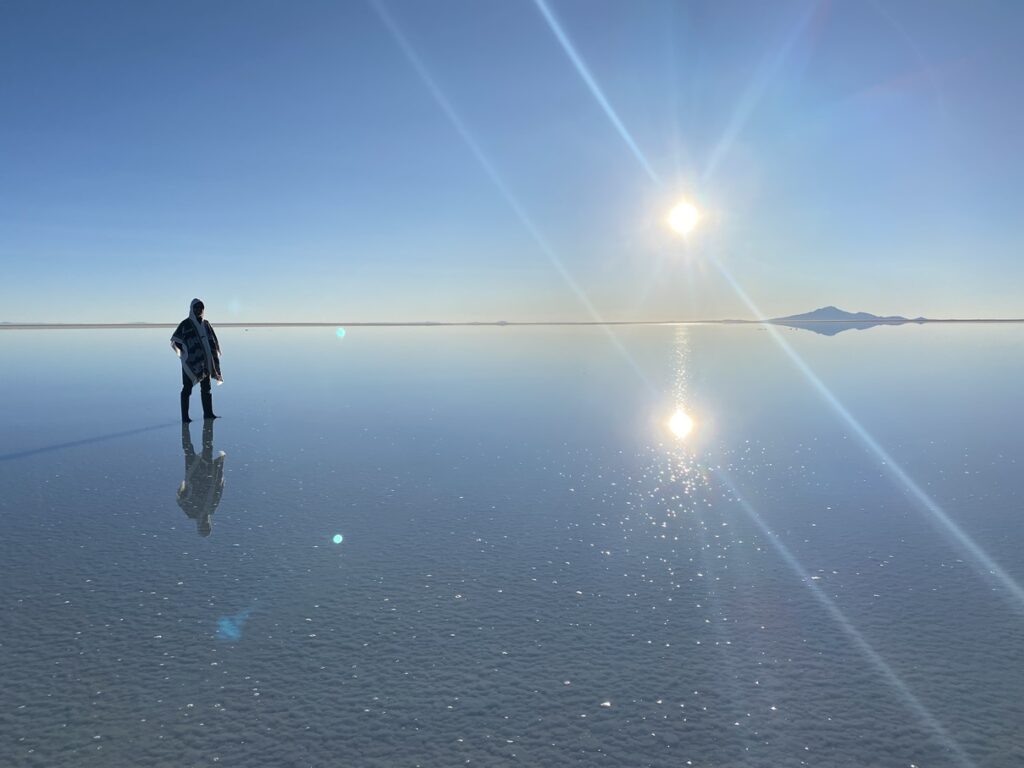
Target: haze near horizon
407,161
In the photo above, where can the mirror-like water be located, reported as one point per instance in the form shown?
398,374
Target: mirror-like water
442,546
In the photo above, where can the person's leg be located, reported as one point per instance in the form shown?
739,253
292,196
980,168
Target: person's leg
207,397
186,393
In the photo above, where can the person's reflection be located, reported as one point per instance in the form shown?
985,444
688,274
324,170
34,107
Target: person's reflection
200,491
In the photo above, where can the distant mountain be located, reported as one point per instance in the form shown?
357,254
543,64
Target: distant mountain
832,320
834,314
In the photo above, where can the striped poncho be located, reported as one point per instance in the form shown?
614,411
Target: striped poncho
197,346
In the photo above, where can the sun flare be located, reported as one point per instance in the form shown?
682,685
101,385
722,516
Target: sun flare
683,217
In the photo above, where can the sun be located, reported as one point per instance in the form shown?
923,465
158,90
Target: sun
683,217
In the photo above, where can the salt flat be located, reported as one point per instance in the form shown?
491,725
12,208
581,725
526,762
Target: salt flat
533,569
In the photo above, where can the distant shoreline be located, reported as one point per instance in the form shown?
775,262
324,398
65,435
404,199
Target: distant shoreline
498,323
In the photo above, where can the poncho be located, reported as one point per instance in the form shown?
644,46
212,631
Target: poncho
199,348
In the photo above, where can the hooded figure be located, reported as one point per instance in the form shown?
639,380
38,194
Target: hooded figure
197,346
200,491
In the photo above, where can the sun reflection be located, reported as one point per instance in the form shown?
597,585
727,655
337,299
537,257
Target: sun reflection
681,424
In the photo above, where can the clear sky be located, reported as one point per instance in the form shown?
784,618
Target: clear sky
449,160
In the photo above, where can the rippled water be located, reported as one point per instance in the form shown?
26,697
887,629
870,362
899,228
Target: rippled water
441,546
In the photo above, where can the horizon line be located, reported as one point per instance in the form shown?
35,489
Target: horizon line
7,325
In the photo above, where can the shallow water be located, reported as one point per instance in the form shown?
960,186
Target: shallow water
533,568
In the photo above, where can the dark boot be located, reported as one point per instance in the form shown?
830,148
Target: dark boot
184,409
207,398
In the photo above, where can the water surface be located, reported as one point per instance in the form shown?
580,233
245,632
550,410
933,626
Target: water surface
533,569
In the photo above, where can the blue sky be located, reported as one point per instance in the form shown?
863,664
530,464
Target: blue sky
289,161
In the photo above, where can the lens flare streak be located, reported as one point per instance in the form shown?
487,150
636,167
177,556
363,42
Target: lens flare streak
595,89
922,712
496,179
957,535
766,73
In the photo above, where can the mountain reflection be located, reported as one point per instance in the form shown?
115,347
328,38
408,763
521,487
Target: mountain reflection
831,328
200,491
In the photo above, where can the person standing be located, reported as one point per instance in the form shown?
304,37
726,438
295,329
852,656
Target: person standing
197,346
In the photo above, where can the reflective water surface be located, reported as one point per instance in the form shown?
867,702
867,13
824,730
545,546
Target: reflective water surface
641,546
